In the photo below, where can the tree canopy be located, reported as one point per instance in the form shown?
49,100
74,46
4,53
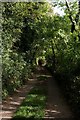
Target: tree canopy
31,30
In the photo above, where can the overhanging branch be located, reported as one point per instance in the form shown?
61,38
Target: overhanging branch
70,17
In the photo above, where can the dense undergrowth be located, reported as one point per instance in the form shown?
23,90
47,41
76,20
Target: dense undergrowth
31,31
20,32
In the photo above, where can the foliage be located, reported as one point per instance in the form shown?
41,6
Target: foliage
67,57
19,21
32,31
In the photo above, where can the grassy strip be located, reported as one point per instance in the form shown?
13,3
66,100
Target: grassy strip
34,104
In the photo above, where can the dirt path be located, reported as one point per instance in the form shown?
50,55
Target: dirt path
10,105
56,104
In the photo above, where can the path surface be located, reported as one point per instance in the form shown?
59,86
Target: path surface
10,105
56,106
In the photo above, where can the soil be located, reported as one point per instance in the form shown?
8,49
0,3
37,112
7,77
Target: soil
11,103
56,106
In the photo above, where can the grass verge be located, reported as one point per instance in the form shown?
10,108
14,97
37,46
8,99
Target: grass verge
34,104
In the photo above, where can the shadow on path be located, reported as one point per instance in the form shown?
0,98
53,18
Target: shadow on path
56,106
10,105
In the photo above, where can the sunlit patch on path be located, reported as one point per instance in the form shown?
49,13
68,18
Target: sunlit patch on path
56,106
10,105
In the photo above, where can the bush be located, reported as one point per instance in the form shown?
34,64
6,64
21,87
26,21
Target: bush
15,71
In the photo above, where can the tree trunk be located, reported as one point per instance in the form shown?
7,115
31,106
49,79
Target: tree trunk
53,58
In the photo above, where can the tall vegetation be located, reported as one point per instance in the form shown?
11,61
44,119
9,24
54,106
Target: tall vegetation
21,23
32,30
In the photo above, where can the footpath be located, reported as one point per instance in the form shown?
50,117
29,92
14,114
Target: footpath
11,103
56,106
